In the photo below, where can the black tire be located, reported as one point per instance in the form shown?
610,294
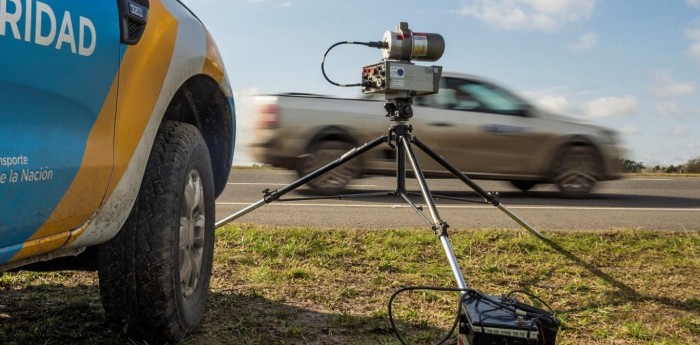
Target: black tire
523,185
576,171
334,181
145,286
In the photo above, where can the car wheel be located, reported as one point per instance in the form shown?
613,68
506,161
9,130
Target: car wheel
336,180
154,275
576,171
523,185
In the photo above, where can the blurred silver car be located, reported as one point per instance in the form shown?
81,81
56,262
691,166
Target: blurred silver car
483,129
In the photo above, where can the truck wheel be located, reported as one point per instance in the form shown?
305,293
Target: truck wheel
523,185
154,275
576,171
334,181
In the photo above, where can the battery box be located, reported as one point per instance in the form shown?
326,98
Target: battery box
491,320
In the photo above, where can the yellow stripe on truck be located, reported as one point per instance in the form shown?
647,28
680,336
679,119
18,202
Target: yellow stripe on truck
76,206
148,63
213,64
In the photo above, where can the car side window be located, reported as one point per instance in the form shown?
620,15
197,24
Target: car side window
445,98
433,100
467,95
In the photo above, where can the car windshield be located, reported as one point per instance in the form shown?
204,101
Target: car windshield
460,94
492,98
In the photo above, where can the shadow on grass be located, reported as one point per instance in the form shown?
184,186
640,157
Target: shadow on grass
243,319
55,314
624,293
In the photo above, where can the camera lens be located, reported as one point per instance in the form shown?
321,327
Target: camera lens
405,45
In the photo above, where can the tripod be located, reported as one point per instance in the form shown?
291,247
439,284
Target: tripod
401,139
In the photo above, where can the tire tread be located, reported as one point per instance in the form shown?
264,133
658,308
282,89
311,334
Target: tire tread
135,268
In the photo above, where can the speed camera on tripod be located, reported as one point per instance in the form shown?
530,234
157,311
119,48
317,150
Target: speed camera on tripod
396,76
482,319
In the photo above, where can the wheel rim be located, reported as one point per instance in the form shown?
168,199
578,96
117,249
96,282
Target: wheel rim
577,171
336,179
192,220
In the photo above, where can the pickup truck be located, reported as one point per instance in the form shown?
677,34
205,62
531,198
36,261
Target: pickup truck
117,125
483,129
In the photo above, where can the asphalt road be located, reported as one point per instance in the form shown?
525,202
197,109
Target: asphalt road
638,203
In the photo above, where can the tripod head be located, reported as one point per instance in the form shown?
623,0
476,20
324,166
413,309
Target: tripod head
399,109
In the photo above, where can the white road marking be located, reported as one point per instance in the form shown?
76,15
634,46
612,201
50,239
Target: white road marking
268,171
258,184
372,205
287,184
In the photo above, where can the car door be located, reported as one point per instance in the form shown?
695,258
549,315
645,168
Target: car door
57,116
483,129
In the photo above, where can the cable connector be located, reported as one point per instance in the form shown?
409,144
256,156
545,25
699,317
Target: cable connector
378,44
374,44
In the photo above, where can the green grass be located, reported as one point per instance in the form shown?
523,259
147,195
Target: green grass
317,286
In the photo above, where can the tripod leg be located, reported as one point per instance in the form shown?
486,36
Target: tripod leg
400,168
439,226
487,196
275,195
427,195
418,209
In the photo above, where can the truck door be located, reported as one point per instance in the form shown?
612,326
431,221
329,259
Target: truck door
58,80
481,128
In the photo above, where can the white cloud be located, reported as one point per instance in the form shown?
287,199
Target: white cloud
555,104
585,42
679,132
664,85
667,109
278,5
693,34
694,3
694,37
554,100
547,15
561,100
612,107
629,130
694,50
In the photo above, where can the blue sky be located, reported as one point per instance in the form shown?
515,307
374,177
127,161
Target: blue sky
633,66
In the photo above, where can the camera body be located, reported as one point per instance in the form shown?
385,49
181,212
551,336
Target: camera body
400,79
396,76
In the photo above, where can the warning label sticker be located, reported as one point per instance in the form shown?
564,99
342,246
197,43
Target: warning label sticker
396,72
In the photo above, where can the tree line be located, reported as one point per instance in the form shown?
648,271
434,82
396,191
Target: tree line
691,167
